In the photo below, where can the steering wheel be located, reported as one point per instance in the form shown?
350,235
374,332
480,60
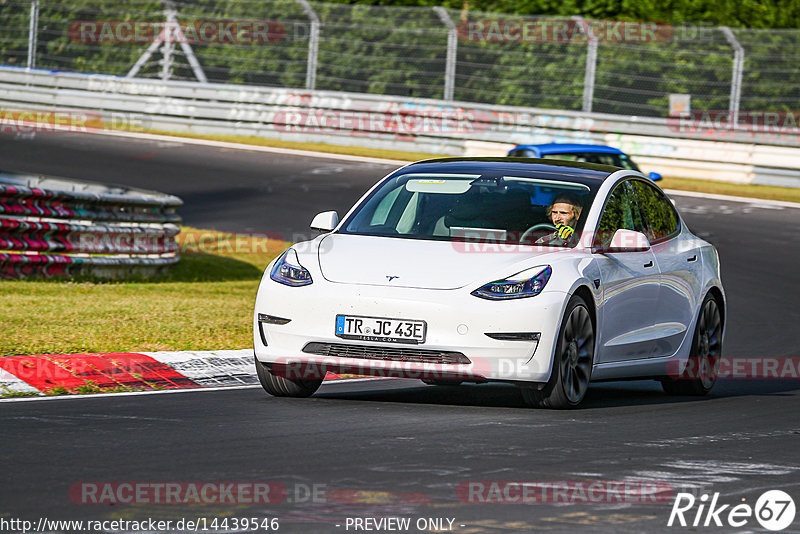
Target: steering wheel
526,235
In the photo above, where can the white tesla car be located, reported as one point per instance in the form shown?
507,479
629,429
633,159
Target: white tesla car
541,273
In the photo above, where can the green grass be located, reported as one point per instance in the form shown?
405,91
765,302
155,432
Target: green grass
314,147
91,387
85,389
789,194
204,303
5,392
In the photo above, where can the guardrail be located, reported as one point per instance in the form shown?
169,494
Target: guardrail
458,54
52,227
425,125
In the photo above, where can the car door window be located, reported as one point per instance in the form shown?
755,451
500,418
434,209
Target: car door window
660,217
624,161
616,160
620,212
382,211
409,215
522,153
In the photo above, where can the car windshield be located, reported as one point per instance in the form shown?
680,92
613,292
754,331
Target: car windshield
617,160
452,207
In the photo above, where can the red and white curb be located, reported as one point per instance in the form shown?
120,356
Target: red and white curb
42,373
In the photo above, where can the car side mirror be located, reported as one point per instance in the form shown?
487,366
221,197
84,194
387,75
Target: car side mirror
325,221
654,176
625,241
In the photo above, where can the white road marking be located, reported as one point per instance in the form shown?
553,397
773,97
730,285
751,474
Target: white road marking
697,474
732,468
327,170
164,391
241,146
679,478
756,202
689,441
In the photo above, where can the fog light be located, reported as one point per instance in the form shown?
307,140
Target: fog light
515,336
271,319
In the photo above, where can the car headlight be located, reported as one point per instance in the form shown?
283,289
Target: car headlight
288,271
527,283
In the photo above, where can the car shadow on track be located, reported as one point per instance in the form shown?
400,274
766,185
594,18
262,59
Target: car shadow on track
599,396
414,392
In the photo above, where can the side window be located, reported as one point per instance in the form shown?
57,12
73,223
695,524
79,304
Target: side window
624,161
660,217
621,211
382,211
386,213
406,222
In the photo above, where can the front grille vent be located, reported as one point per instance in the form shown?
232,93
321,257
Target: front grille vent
395,354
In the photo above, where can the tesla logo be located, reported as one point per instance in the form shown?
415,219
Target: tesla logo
390,278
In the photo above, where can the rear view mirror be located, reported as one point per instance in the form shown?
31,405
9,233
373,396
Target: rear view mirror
625,241
325,221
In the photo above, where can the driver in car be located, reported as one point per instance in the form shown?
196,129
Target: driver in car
564,212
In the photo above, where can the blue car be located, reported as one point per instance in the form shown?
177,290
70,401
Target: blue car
602,154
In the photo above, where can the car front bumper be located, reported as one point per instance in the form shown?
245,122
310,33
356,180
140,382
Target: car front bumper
457,322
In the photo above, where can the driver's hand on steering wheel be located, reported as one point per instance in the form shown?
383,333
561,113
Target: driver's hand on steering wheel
564,231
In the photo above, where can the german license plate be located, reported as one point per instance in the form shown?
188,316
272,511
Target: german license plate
380,329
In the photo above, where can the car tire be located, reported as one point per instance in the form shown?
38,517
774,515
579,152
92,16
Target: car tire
701,371
572,362
280,386
441,382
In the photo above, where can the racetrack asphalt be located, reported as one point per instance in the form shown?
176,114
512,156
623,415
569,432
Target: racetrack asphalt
398,447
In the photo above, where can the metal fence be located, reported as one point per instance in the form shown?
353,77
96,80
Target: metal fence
573,64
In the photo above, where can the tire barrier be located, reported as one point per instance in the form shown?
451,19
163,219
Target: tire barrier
53,227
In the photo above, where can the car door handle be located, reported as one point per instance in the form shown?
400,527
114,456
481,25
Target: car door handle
693,258
649,263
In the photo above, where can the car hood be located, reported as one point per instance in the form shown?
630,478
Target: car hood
370,260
